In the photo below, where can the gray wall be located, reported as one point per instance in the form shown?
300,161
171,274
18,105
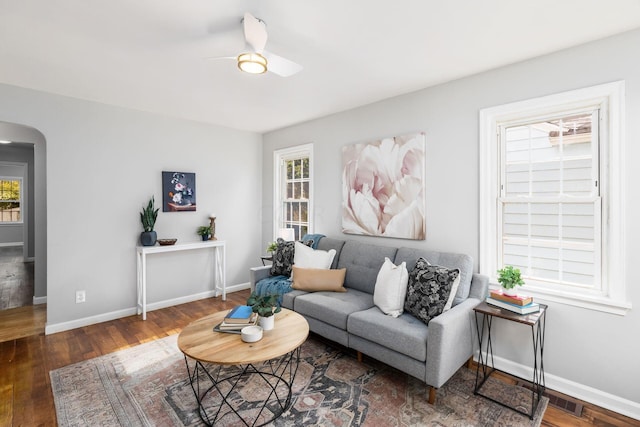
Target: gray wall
589,354
20,154
102,165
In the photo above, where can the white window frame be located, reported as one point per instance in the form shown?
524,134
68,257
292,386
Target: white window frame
279,157
609,98
21,201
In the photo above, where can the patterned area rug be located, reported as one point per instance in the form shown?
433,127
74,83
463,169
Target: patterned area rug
147,385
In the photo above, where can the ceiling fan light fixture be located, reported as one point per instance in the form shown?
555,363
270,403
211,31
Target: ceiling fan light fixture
253,63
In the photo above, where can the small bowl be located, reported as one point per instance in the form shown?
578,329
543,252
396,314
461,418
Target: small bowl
167,242
251,333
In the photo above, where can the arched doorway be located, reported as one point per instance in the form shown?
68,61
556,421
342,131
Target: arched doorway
34,229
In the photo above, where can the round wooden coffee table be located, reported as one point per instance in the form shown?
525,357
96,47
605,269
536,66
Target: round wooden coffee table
221,364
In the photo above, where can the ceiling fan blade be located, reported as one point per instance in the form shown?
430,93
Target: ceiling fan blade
215,58
281,66
255,32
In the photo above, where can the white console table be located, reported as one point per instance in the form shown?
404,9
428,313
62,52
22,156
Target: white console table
219,268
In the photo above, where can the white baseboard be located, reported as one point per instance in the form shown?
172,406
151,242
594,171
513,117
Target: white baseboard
86,321
11,244
580,391
39,300
239,287
105,317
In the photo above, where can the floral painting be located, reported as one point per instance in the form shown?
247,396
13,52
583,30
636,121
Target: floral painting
383,187
178,191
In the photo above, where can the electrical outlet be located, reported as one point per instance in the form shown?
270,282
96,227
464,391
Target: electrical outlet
80,297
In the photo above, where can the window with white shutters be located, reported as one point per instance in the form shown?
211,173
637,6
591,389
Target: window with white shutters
293,189
552,185
549,204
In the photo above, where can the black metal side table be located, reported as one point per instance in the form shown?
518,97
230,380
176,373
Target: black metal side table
485,313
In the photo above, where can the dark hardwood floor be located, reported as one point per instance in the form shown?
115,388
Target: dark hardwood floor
25,389
16,278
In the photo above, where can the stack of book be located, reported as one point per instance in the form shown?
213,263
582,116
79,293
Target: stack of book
518,304
237,318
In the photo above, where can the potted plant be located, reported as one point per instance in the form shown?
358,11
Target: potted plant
148,218
204,231
271,247
266,306
509,278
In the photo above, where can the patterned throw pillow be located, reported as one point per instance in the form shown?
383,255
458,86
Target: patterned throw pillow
429,289
283,257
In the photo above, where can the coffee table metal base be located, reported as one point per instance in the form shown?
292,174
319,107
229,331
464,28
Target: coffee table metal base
217,390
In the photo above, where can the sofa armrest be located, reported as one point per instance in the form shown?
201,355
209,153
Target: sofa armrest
479,286
257,274
450,342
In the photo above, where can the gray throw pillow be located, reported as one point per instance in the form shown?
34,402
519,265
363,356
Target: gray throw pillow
428,290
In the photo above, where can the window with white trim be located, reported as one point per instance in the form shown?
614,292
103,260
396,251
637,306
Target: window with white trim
293,189
10,200
551,195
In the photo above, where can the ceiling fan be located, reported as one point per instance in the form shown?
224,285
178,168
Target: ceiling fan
258,60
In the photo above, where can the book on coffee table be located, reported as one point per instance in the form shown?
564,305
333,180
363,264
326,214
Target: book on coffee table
242,314
234,328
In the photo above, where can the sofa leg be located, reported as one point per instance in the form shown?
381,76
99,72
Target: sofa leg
359,357
432,395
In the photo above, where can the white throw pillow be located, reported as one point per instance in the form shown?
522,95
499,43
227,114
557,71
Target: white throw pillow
391,288
452,295
306,257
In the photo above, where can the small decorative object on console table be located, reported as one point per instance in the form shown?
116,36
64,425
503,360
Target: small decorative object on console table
148,218
509,278
212,226
266,306
204,231
167,242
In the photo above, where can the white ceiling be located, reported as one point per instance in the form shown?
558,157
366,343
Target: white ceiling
151,55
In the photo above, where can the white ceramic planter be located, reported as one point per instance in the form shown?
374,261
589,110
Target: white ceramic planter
267,323
511,292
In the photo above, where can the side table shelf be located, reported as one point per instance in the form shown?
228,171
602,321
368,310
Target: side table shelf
484,314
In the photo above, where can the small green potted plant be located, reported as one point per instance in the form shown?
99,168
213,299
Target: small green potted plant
509,278
266,306
148,218
204,231
271,247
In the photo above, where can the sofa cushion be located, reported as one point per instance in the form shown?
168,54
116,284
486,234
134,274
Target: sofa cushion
283,258
306,257
462,262
391,288
363,262
314,279
404,334
333,307
327,243
429,289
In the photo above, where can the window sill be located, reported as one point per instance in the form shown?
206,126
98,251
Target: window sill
590,302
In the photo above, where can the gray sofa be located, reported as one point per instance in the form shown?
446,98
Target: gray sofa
430,353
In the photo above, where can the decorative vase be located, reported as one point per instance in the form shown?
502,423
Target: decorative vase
512,292
148,238
267,323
